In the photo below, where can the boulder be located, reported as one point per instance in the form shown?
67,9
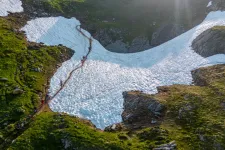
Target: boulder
165,33
17,91
170,146
141,110
210,42
115,127
3,79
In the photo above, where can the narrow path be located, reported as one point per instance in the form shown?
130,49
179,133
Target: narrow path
23,125
80,65
48,99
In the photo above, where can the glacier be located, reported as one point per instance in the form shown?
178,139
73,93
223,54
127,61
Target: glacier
10,6
95,91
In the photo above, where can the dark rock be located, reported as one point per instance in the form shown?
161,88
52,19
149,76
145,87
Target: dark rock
162,89
156,108
217,5
210,42
140,109
165,33
115,127
204,76
36,69
187,113
155,133
170,146
34,46
3,79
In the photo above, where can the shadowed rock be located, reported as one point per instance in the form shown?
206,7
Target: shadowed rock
210,42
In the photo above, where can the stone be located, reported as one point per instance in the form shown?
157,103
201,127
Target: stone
17,91
3,79
223,105
156,108
170,146
153,122
37,69
217,5
115,127
66,143
141,110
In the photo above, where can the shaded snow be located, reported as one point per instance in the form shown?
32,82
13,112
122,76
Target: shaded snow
10,6
95,91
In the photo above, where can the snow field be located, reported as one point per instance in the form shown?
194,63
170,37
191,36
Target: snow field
10,6
95,91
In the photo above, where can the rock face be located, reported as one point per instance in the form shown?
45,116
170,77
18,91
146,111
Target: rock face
113,40
141,109
126,26
138,44
205,76
165,33
210,42
17,91
217,5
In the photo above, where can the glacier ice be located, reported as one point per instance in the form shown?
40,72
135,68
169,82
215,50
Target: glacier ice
10,6
95,91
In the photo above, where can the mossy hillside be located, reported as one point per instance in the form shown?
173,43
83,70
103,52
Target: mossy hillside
24,73
195,116
54,131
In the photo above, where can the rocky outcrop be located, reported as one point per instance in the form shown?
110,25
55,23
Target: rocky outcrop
129,32
141,110
138,44
113,40
170,146
217,5
165,33
206,76
210,42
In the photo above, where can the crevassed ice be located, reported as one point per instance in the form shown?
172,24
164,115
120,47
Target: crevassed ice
95,91
10,6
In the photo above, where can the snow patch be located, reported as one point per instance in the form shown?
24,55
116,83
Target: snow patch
95,91
209,4
10,6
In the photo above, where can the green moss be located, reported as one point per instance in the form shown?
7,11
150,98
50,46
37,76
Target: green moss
53,131
18,68
195,118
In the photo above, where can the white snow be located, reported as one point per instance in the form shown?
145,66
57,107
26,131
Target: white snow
209,4
10,6
95,91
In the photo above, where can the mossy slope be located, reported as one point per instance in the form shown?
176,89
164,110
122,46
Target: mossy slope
24,72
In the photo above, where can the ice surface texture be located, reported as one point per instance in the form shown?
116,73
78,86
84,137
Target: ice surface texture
95,91
10,6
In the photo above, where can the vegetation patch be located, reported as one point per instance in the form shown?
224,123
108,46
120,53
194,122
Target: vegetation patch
24,72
